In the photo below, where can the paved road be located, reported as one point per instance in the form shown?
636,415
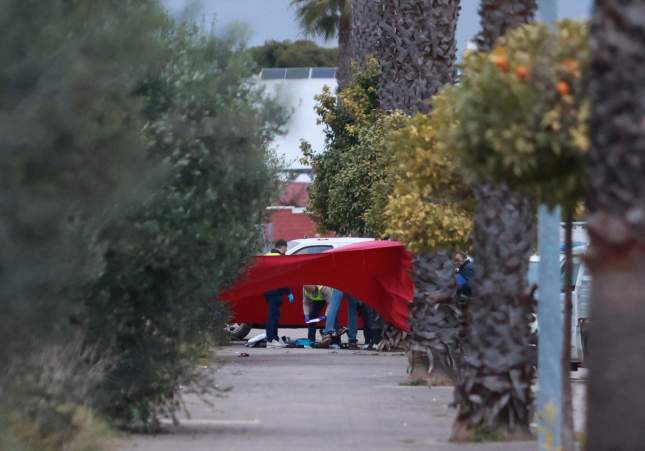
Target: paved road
295,400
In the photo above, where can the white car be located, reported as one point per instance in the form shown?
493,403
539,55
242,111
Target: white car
580,299
318,245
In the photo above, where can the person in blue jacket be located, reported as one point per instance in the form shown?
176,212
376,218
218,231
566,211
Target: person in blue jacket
465,273
274,301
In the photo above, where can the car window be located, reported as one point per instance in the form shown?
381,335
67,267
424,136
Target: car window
312,250
291,244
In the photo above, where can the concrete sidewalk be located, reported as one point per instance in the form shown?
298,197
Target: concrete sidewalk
295,400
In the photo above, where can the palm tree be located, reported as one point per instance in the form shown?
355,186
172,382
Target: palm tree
366,33
435,320
494,393
417,52
616,164
366,42
330,18
499,16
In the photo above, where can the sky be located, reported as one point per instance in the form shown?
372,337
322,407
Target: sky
275,19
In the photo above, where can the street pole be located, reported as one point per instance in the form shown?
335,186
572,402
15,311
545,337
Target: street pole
550,336
550,319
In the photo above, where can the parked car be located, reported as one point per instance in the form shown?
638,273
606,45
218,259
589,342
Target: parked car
291,315
580,299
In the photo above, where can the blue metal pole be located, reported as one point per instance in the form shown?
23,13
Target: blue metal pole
550,318
550,336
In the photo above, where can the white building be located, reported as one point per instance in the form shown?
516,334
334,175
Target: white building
296,88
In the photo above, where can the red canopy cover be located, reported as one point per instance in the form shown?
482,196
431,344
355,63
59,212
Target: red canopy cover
376,272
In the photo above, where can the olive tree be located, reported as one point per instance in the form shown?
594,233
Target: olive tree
152,310
72,158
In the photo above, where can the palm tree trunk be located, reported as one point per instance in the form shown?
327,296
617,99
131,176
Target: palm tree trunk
499,16
494,395
394,339
435,320
366,33
418,51
616,164
344,69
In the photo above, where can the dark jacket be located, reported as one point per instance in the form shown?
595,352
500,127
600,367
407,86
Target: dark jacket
465,273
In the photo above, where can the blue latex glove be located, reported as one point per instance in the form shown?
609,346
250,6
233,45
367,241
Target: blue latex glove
291,298
306,318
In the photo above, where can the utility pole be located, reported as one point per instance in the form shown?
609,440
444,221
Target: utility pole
550,318
550,336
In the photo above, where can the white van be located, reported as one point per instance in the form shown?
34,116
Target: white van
580,299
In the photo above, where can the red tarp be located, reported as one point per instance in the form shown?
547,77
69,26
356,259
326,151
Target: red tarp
376,272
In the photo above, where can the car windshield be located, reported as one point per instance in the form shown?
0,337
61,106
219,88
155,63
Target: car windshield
291,244
313,249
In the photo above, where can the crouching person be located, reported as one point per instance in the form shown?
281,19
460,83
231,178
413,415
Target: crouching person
314,300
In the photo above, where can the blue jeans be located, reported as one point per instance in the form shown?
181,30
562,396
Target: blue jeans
316,308
366,313
332,312
274,301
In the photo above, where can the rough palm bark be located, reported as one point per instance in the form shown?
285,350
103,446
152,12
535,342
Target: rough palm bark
435,320
366,33
616,165
418,50
499,16
393,339
495,393
344,69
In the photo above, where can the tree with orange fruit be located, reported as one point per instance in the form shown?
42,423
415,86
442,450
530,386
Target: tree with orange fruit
522,111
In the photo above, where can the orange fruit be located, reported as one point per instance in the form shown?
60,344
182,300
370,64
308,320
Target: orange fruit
501,61
563,88
522,72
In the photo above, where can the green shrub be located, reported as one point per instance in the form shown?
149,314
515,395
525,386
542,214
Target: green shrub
431,204
149,312
72,158
72,155
45,408
353,174
300,53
